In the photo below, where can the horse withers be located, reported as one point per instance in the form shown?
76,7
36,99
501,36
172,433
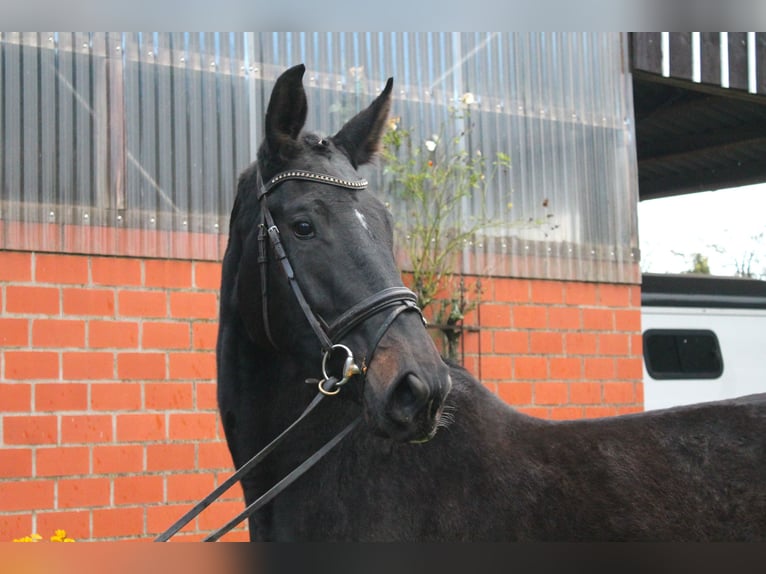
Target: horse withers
310,284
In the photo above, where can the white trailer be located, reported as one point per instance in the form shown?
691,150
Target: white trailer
704,338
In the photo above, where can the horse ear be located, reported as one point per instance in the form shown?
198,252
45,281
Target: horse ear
360,136
286,113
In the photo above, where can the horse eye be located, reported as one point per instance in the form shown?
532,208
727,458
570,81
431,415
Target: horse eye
303,229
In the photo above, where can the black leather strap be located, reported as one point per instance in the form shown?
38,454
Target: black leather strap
275,490
368,307
232,480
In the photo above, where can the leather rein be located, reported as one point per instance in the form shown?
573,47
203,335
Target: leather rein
395,299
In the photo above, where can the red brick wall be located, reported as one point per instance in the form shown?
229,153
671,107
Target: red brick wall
108,421
559,350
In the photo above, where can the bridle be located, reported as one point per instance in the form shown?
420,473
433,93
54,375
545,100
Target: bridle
399,299
396,300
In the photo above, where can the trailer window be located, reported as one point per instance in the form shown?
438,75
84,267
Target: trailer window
682,354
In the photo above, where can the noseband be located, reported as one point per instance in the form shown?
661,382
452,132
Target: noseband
398,299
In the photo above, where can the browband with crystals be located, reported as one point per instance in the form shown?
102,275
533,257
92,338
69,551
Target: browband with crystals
311,176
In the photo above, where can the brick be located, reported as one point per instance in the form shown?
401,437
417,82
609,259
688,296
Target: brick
215,455
108,459
597,319
114,522
86,428
547,292
145,366
83,492
168,396
21,365
193,305
530,317
15,266
599,369
142,303
627,320
88,365
580,294
158,518
565,368
121,396
170,457
192,426
112,334
70,269
537,412
26,495
32,300
207,396
511,290
117,271
631,368
551,393
62,460
614,295
15,397
192,365
207,275
546,343
167,274
495,368
189,487
58,333
165,335
61,396
141,427
565,413
14,332
15,526
515,393
76,523
510,342
619,393
140,490
30,429
630,409
217,514
613,344
599,412
205,335
581,343
637,344
563,318
93,302
15,463
530,368
585,393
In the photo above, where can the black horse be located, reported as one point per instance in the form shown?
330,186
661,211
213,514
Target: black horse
489,473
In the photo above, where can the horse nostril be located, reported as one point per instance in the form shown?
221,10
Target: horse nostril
407,398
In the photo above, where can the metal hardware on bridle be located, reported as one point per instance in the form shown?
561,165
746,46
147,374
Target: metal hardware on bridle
398,299
350,368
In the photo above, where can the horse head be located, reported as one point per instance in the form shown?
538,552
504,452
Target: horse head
337,240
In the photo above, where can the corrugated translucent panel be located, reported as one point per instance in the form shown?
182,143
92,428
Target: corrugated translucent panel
124,144
131,143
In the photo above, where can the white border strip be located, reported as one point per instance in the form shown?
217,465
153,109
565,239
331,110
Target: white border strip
696,57
752,76
724,59
665,47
